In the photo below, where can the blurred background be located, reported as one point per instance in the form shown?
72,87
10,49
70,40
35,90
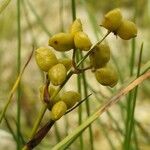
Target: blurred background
41,19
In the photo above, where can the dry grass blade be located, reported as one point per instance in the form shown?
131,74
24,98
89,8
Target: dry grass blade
14,88
101,110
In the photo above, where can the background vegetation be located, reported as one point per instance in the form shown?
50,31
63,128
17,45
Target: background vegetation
24,23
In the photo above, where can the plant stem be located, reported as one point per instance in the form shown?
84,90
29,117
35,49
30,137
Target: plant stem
91,49
18,70
76,57
130,97
87,107
57,134
131,121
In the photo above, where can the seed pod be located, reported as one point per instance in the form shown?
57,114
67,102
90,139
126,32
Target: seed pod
106,76
66,62
82,41
57,74
58,110
127,30
112,20
62,42
76,27
100,56
45,58
70,98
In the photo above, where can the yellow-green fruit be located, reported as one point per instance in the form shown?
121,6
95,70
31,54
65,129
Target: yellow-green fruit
112,20
45,58
70,98
82,41
127,30
51,91
100,56
106,76
58,110
76,27
57,74
66,62
62,42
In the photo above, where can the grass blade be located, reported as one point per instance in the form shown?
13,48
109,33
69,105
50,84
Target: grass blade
101,110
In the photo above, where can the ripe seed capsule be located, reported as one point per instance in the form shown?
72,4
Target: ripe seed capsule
112,20
70,98
76,27
58,110
66,62
106,76
62,42
57,74
100,56
127,30
45,58
82,41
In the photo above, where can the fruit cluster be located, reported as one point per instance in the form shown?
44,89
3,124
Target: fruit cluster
99,56
114,22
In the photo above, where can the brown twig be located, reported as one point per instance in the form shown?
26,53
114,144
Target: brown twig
45,129
39,136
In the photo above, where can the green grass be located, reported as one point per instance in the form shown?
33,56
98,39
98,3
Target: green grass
18,70
128,131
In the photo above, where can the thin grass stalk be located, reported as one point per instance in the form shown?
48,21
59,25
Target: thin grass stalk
38,18
92,19
85,90
30,26
57,133
131,121
73,8
130,96
18,71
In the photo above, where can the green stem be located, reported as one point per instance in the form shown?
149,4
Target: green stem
87,107
58,137
80,107
77,56
18,70
91,49
131,121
